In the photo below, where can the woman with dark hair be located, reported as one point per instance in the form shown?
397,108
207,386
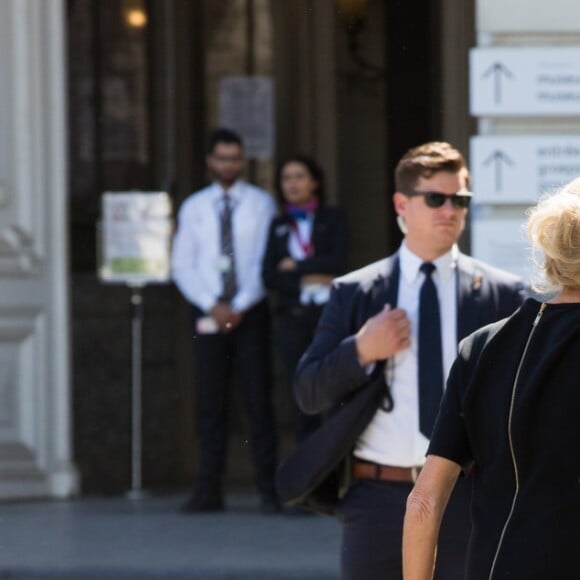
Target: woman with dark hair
307,247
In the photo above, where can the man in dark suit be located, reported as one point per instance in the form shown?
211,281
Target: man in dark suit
216,262
411,310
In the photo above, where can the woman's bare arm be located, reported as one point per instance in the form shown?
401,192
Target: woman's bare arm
425,507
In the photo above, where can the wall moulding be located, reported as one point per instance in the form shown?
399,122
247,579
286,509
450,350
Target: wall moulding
18,256
19,475
22,335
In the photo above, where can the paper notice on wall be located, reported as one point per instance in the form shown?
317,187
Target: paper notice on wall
136,237
246,105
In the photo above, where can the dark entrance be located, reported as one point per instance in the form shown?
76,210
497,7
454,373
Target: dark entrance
135,119
138,112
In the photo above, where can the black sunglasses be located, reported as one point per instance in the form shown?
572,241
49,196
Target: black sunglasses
437,199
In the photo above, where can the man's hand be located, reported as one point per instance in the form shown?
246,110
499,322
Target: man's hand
234,321
324,279
287,264
225,317
383,335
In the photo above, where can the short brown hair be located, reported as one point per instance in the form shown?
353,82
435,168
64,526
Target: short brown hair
426,160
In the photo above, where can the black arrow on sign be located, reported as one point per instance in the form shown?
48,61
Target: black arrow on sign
497,69
498,158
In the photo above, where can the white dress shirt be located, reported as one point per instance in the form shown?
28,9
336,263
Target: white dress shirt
394,438
310,293
196,255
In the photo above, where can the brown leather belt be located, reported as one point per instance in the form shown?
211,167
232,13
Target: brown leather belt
368,470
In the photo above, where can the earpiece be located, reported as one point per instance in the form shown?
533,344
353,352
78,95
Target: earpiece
401,223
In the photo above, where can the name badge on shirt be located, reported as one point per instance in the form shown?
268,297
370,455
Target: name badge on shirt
224,263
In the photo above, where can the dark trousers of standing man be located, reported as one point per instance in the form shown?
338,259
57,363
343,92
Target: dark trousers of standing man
247,351
372,515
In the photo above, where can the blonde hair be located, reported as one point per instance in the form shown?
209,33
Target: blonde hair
554,228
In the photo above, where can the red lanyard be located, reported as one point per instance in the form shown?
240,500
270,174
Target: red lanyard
306,245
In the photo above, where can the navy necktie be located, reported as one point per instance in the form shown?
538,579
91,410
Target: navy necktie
430,353
229,281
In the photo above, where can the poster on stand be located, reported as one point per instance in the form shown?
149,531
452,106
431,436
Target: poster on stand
136,235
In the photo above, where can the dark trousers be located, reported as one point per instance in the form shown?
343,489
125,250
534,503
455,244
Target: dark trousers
372,517
295,328
216,356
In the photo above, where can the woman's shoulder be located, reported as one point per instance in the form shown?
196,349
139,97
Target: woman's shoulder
280,218
279,229
505,330
331,215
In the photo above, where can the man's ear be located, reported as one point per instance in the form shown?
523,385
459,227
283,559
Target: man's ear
400,202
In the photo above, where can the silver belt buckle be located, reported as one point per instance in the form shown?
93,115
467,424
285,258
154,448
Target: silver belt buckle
415,473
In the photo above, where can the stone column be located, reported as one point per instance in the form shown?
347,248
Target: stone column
35,423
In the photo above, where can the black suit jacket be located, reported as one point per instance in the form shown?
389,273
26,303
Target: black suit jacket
330,240
329,371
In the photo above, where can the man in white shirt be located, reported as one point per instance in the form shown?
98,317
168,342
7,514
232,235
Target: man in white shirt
410,310
216,261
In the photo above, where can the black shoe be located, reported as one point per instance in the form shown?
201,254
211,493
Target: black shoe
270,504
204,500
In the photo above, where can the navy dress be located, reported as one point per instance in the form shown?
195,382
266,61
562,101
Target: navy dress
511,412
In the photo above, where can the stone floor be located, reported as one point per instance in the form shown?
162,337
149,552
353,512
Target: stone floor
119,538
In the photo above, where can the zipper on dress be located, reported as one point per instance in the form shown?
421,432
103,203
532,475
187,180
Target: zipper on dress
511,443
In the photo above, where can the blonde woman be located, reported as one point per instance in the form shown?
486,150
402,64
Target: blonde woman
511,417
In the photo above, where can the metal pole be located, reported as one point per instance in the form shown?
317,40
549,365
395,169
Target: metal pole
136,391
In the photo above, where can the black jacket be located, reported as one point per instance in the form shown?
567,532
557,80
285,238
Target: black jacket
330,378
520,426
330,241
329,371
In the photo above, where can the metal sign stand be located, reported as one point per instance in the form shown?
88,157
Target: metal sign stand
136,491
134,249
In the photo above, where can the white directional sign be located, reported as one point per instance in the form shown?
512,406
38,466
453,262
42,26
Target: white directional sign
518,170
498,238
525,81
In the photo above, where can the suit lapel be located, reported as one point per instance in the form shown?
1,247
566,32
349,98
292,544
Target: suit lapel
283,233
319,220
469,282
320,225
386,289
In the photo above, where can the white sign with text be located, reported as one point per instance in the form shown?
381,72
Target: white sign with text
513,81
519,169
246,105
136,237
499,239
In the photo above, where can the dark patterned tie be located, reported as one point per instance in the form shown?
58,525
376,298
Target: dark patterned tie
230,284
430,353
